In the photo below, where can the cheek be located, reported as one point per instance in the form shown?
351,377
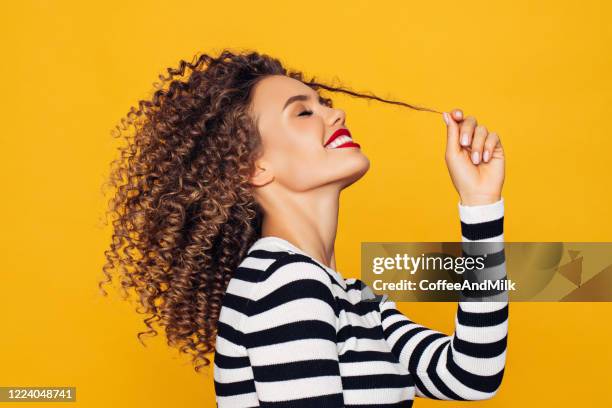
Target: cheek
301,147
301,165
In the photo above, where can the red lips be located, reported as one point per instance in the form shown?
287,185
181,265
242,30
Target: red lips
338,133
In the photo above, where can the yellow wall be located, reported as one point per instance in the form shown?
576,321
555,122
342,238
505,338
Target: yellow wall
538,73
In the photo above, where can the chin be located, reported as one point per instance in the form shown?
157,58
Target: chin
358,169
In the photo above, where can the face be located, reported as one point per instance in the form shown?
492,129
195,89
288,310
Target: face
295,124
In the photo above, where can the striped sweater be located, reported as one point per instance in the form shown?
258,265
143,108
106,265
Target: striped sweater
293,332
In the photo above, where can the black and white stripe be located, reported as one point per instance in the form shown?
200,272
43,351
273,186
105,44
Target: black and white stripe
469,365
293,333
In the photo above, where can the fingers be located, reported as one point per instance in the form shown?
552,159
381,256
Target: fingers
478,141
489,147
457,115
465,132
467,129
452,134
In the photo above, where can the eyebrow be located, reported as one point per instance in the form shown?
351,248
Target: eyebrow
295,98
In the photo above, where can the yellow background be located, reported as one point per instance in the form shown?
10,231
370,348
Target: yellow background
538,73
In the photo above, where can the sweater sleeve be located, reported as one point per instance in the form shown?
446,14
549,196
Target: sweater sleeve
468,365
290,336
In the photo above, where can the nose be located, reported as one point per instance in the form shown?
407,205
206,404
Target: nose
337,115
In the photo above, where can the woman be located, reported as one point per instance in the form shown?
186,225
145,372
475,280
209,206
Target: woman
227,202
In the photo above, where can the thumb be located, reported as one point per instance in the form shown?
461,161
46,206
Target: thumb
452,134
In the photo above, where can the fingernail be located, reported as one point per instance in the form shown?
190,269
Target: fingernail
464,139
459,114
485,156
445,116
475,157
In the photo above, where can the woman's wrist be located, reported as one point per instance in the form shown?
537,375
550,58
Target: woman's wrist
480,199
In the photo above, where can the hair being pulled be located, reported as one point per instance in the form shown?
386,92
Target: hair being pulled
183,209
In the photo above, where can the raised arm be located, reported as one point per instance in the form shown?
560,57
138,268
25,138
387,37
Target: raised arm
290,336
468,365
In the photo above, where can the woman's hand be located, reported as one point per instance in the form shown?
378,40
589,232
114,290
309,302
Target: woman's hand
476,164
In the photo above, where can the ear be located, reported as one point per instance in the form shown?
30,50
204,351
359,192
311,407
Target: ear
263,174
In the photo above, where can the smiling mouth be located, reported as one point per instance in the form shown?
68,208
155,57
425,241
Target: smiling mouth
341,142
341,138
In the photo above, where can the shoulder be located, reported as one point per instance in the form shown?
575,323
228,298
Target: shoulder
292,279
292,288
265,271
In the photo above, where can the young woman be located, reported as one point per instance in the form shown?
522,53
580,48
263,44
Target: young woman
227,202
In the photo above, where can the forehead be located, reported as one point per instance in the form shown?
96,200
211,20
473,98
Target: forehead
271,93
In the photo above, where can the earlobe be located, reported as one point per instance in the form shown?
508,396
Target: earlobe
262,176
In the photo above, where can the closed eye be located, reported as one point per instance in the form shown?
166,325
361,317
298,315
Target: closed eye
305,113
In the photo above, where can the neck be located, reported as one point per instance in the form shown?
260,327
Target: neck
308,220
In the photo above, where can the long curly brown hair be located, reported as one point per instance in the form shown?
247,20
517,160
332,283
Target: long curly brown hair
183,210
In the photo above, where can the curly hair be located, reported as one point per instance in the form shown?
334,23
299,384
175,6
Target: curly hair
183,208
